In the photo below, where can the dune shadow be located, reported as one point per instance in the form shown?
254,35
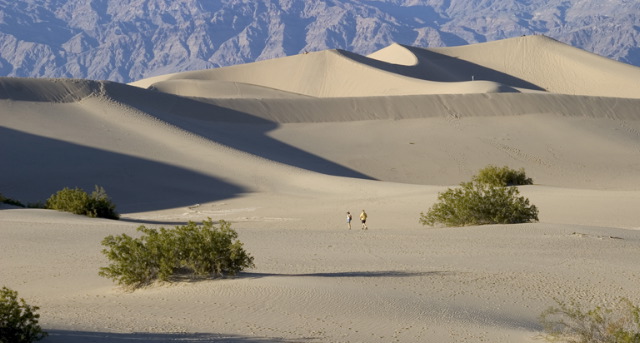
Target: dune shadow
69,336
434,66
498,318
186,276
235,129
162,222
46,90
35,167
152,222
354,274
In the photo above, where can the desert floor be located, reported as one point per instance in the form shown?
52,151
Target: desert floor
284,148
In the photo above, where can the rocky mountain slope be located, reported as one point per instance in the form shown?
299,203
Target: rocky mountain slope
126,40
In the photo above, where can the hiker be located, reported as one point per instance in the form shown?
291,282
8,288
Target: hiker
363,219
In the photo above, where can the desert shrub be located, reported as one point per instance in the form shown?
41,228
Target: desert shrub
569,322
36,204
475,203
503,176
69,200
18,320
10,201
192,251
100,205
76,200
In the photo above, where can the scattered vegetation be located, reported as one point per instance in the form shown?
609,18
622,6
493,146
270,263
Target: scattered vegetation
502,177
485,200
10,201
96,205
18,320
569,322
191,251
476,203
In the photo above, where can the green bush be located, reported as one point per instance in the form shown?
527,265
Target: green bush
100,205
192,251
504,176
18,320
77,201
69,200
475,203
569,322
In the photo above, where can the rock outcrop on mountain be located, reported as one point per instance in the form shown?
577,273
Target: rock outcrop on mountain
126,40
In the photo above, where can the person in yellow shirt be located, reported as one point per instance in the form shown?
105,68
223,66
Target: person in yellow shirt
363,219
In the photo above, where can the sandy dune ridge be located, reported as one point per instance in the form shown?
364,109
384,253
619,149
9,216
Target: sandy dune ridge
523,64
283,148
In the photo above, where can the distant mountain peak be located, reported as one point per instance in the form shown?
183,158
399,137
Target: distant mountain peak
126,40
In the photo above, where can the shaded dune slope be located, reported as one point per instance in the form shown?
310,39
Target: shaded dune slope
529,62
547,63
297,118
282,149
47,90
326,74
523,64
150,150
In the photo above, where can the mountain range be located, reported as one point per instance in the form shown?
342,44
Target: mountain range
127,40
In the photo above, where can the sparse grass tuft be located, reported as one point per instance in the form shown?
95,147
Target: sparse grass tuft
570,322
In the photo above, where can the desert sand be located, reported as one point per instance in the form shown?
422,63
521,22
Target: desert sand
284,148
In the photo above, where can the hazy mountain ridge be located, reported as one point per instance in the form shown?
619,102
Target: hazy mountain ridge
125,40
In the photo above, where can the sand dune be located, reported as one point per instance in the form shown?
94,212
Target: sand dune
283,148
523,64
530,62
52,90
221,89
333,73
553,66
